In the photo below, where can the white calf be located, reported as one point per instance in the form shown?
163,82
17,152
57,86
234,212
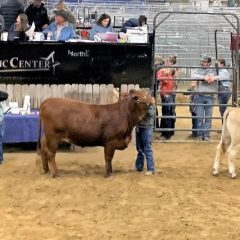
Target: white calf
230,140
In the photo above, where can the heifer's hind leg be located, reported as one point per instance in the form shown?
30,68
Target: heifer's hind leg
232,154
51,153
44,155
41,160
108,153
216,164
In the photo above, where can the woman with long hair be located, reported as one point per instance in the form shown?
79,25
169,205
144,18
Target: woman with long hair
103,25
18,29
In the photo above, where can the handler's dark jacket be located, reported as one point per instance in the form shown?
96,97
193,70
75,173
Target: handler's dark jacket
37,15
10,9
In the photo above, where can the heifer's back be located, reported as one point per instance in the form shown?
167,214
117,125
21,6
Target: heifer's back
84,124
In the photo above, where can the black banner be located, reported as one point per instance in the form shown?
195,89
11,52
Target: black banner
78,63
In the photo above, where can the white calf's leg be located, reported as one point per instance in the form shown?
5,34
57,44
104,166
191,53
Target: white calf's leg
216,164
231,162
232,154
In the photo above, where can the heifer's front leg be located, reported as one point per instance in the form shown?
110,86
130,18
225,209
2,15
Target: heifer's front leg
216,164
108,153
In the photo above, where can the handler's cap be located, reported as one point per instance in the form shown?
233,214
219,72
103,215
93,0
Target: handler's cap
206,59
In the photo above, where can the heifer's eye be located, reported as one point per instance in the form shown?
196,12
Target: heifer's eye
136,98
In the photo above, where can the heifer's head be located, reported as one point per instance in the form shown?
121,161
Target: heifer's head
139,102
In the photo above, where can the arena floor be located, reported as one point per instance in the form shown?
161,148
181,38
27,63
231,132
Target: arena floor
182,201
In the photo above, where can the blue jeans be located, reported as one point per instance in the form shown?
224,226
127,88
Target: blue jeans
2,129
144,148
168,110
204,123
194,124
223,98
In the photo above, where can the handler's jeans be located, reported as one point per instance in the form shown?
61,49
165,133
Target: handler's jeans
204,123
144,148
223,98
2,129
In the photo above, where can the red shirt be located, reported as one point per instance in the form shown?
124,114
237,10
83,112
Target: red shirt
167,84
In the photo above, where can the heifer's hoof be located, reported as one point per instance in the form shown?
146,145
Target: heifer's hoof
55,175
106,175
215,173
233,176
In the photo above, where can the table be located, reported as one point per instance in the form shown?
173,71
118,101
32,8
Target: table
21,128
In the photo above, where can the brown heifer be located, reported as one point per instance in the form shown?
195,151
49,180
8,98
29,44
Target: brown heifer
84,124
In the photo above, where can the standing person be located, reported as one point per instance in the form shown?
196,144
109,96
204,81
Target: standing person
158,61
60,29
134,22
18,29
193,108
3,97
10,9
224,85
144,134
103,25
37,13
206,87
167,86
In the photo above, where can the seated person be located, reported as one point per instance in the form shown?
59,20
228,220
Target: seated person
60,29
102,26
134,22
62,6
2,24
18,29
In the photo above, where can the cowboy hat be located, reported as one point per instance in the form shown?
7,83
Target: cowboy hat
67,15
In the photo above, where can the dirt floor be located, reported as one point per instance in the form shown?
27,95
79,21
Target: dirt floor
182,201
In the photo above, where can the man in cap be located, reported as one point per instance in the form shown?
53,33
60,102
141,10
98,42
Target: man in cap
37,13
206,86
60,29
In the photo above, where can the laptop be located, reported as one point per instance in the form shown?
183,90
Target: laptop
108,36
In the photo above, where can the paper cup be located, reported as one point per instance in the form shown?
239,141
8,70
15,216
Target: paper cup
5,36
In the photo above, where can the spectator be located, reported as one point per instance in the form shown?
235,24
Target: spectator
134,22
37,13
2,25
60,29
193,108
18,29
167,86
62,6
206,86
224,85
10,9
103,25
3,97
144,134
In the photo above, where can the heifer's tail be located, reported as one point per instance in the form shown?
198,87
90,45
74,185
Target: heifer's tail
225,132
39,134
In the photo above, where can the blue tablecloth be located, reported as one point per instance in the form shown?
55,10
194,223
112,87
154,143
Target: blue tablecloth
21,128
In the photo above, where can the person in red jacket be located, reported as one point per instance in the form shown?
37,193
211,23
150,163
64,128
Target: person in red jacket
167,86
